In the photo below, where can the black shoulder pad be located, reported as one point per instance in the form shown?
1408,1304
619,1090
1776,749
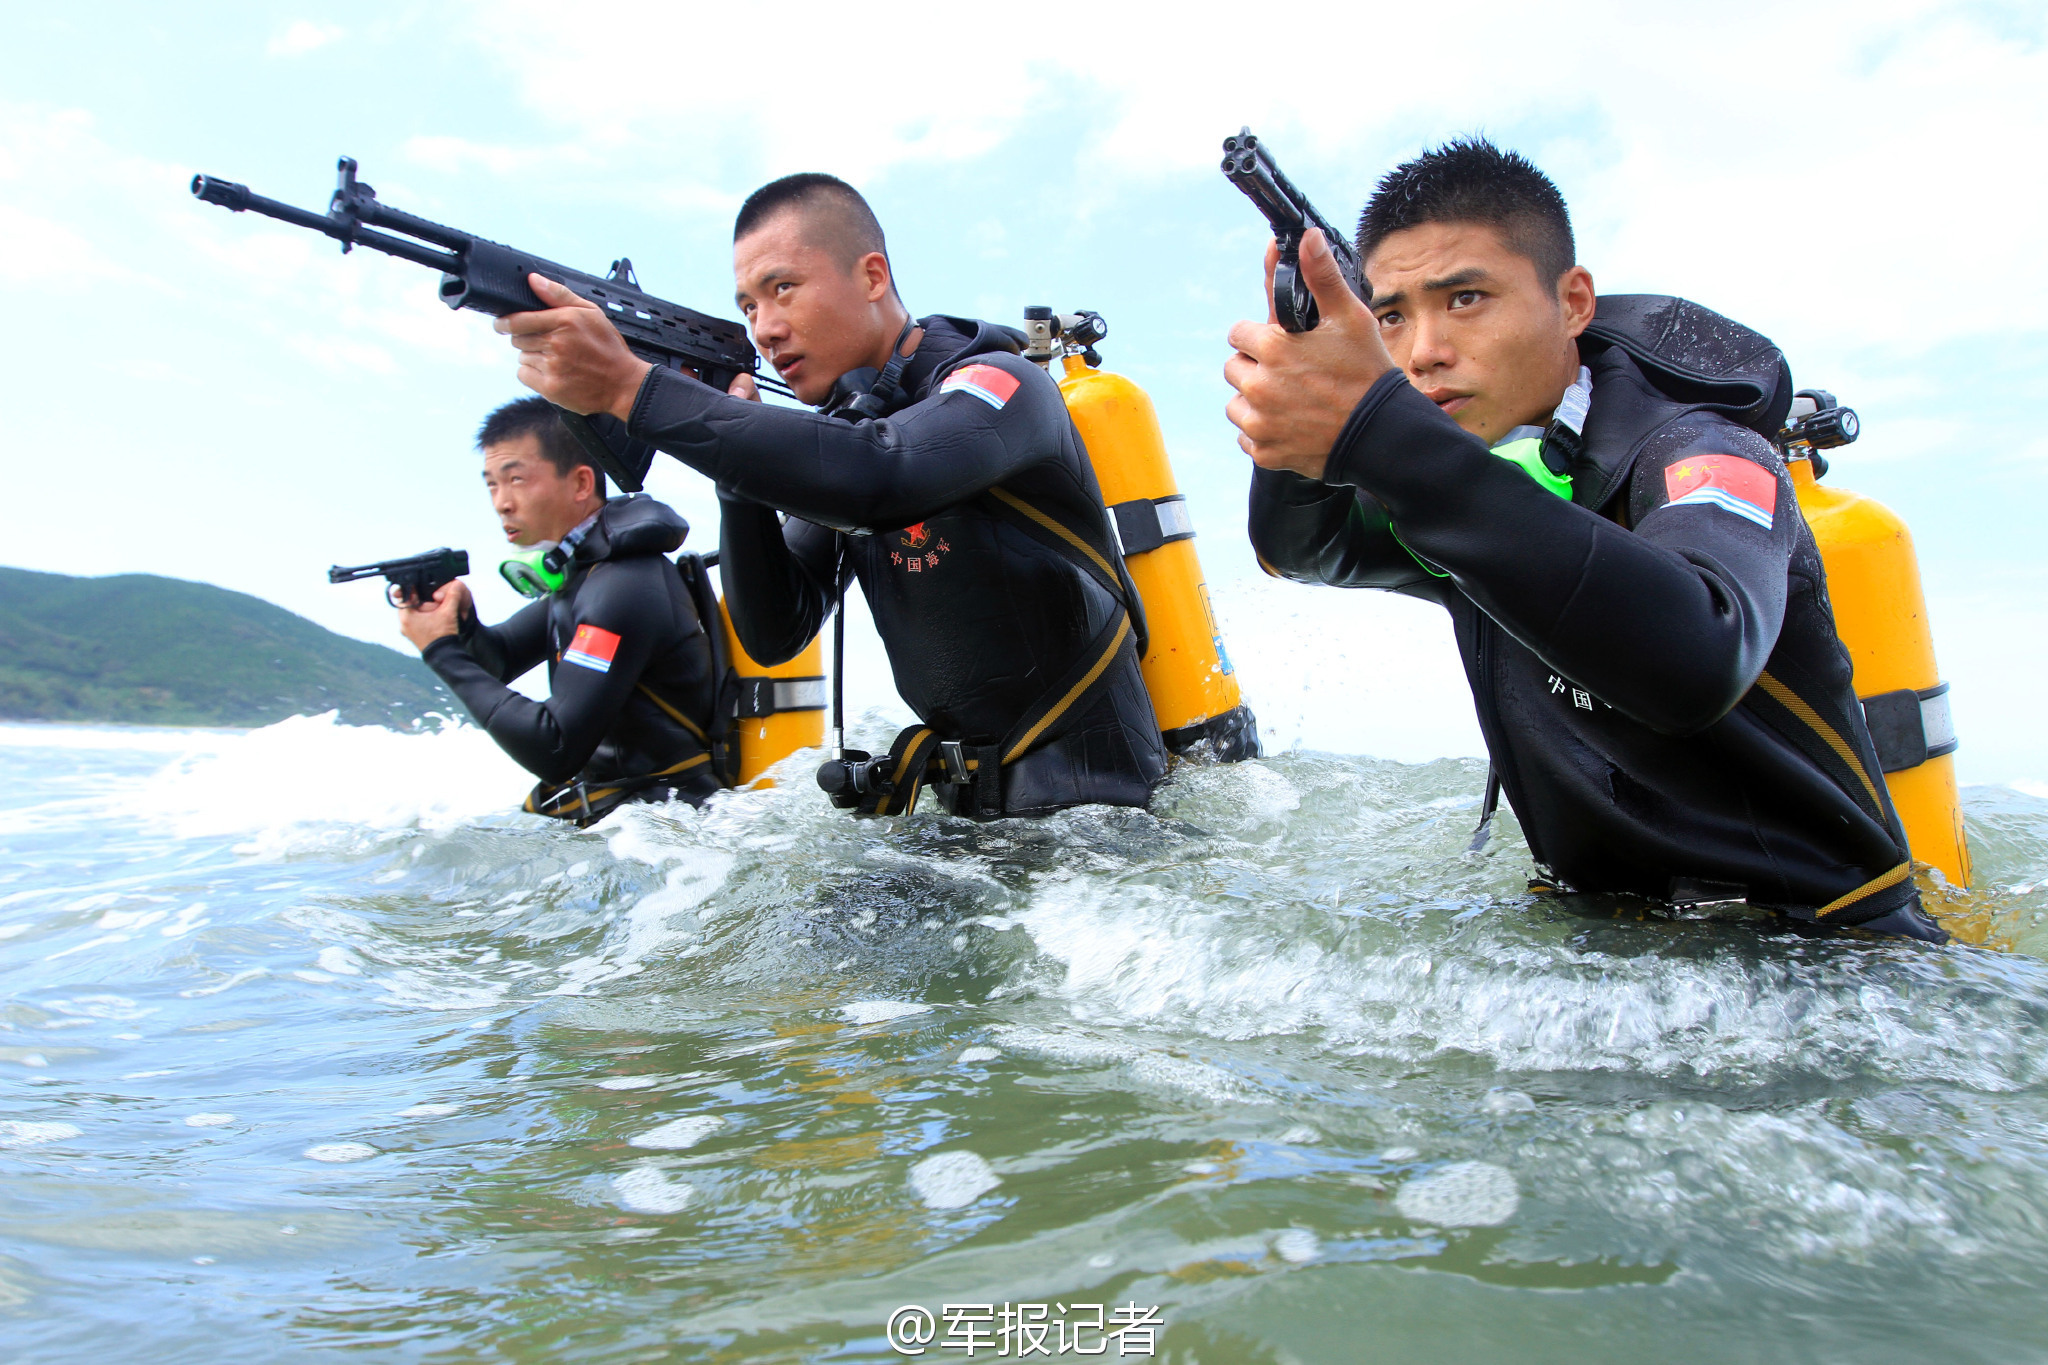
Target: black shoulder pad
1694,355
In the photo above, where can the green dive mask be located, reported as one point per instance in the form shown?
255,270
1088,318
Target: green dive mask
533,573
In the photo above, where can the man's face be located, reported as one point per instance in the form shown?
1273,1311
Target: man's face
533,501
813,318
1474,328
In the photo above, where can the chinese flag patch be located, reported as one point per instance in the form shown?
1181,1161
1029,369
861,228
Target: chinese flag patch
1728,482
992,386
592,648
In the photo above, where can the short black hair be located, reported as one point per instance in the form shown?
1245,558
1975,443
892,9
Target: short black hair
840,221
1469,180
536,417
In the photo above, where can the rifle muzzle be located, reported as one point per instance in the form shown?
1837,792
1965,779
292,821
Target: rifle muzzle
226,193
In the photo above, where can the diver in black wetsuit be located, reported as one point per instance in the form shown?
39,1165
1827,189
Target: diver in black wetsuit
630,668
1641,609
941,472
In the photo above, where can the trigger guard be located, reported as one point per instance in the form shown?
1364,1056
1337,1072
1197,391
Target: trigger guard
1293,304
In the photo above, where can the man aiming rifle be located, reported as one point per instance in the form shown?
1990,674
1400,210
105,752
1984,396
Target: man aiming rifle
939,470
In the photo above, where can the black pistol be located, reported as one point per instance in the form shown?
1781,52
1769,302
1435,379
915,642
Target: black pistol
411,580
491,278
1251,168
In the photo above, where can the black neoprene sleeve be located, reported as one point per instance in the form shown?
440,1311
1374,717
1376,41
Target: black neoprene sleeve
554,739
875,475
777,579
1670,624
514,645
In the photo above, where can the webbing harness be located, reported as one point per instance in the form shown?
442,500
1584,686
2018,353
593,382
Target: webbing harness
920,755
582,805
576,802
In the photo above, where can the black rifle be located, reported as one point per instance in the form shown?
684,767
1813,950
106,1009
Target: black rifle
1252,169
491,278
411,580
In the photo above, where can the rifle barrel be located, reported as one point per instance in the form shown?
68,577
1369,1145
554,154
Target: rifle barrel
239,198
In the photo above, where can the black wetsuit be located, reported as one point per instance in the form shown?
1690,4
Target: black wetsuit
980,617
1658,677
626,655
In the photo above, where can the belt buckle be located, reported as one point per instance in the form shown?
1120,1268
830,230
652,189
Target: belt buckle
955,758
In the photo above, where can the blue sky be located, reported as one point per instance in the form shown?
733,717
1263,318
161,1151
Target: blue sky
226,399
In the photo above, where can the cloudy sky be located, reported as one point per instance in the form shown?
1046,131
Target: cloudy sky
222,398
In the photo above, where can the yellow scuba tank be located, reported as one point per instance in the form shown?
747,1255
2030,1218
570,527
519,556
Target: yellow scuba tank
1881,615
781,707
1194,689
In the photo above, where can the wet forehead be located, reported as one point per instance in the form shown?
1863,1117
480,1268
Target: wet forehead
775,250
517,452
1439,255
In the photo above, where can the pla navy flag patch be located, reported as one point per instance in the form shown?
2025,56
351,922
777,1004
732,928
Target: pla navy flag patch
592,648
1728,482
992,386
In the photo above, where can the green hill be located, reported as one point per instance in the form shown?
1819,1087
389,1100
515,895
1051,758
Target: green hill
160,651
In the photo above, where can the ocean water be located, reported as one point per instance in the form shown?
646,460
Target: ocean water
307,1046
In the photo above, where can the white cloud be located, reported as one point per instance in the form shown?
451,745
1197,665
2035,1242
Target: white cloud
1725,155
301,37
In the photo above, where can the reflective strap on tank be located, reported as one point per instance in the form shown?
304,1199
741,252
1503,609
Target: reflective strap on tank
1146,523
1937,720
1908,727
766,696
799,694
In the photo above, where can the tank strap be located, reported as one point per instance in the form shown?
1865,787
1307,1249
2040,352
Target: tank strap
1100,560
909,761
1092,559
672,713
921,755
723,741
1778,692
1910,726
583,805
1145,524
1813,721
1883,882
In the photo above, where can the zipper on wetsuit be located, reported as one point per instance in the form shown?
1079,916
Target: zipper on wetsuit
1490,726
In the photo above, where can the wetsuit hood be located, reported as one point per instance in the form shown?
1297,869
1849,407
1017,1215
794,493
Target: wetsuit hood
1697,357
632,525
1653,356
